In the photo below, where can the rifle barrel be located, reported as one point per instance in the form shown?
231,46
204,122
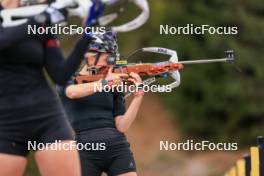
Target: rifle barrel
207,61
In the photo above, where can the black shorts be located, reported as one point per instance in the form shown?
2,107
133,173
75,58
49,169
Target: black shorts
110,155
16,135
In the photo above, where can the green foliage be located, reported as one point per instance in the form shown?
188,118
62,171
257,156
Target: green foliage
214,101
32,169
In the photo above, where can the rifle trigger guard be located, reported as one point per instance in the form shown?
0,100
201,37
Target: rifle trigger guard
145,82
149,81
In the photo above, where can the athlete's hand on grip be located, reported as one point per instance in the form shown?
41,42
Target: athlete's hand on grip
116,78
134,78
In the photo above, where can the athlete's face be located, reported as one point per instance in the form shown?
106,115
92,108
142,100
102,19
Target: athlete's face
91,58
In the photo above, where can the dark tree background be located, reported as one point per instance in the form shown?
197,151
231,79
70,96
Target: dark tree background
215,101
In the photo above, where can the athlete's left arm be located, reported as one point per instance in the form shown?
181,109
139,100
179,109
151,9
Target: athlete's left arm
123,122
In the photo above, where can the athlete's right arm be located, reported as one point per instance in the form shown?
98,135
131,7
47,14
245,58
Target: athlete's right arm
75,91
82,90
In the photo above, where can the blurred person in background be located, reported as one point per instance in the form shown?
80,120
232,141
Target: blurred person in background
29,110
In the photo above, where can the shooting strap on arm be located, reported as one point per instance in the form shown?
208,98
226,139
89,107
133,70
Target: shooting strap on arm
139,90
139,93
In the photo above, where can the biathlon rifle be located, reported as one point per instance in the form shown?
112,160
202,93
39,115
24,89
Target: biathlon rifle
153,70
79,8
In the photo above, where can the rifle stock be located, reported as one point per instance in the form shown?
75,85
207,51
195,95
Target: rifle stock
88,78
147,69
